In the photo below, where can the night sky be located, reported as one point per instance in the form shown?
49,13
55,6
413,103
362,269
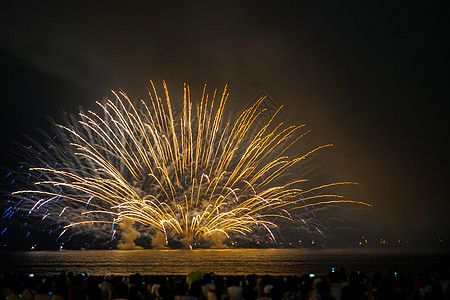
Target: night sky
371,78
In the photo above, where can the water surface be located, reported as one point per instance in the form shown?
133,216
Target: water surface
223,261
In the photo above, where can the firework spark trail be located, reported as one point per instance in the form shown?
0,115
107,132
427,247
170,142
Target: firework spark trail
187,177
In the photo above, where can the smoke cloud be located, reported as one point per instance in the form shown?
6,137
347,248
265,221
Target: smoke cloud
217,239
159,241
128,236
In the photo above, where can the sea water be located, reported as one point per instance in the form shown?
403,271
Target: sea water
223,261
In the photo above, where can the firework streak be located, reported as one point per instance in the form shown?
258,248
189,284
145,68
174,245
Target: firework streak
188,176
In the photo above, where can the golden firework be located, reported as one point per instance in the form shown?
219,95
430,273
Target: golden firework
188,176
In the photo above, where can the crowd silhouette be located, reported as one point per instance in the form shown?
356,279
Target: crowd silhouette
337,285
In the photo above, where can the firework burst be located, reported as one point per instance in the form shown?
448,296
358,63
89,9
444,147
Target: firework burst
188,176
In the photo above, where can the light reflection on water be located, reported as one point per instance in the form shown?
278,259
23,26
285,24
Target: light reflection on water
224,262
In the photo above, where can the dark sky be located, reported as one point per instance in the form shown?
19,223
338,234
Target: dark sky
374,79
